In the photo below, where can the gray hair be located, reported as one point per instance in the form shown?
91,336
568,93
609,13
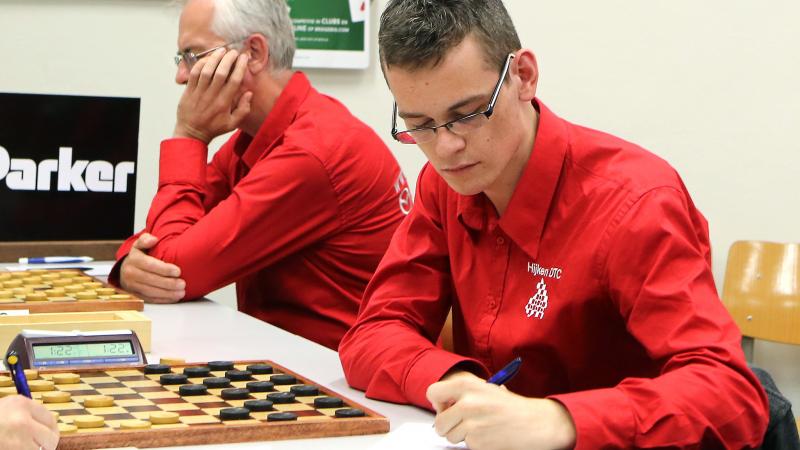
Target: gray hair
237,19
419,33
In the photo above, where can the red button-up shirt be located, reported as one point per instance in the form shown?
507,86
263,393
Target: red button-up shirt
298,215
598,275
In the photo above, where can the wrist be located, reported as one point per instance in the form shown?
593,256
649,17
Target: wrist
185,132
565,434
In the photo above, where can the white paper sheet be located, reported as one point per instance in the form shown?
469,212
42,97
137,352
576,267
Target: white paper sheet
416,436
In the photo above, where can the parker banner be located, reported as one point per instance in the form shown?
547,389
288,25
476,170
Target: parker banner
67,167
331,33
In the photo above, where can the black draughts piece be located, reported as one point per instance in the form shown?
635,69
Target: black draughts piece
192,389
280,397
281,416
220,366
283,379
260,369
239,375
155,369
173,378
349,412
235,394
197,372
304,390
258,405
328,402
234,413
217,383
260,386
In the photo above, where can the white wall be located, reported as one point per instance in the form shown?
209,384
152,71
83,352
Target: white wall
710,86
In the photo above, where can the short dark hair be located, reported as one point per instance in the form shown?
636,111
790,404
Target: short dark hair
419,33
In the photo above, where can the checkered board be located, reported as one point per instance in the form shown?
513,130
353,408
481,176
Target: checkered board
64,290
137,395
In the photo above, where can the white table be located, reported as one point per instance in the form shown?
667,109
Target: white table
205,331
202,330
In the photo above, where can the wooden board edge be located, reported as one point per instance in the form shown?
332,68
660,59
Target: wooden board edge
77,306
225,434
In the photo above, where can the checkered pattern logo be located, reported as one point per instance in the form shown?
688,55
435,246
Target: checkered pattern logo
538,303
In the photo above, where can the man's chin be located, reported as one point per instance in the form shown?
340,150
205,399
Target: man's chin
465,189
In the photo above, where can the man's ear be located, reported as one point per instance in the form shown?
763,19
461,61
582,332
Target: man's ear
527,70
258,48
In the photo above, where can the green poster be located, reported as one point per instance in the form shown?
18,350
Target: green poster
330,33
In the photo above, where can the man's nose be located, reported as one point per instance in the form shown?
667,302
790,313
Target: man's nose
182,74
448,143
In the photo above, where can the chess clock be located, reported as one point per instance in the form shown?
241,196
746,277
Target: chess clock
77,350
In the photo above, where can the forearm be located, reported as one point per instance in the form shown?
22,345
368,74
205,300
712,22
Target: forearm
392,362
699,401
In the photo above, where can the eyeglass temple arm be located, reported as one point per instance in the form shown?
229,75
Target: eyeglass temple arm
499,83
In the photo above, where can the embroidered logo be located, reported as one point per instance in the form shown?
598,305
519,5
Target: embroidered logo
404,194
547,272
538,303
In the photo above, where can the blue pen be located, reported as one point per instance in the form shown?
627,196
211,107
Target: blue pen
56,260
506,373
17,374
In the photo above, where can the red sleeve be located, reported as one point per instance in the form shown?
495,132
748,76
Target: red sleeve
663,288
285,202
389,352
217,188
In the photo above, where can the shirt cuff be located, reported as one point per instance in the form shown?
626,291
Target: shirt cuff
430,367
114,275
183,160
602,417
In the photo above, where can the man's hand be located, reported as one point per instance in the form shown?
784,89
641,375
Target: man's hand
26,425
150,278
209,105
489,417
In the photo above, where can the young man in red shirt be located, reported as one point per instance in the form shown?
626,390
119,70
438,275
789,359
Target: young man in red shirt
297,207
579,252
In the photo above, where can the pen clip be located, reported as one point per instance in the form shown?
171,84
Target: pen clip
18,375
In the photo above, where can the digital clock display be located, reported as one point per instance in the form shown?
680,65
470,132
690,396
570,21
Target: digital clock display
88,350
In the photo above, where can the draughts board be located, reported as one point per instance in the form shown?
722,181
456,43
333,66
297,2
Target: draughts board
64,290
137,395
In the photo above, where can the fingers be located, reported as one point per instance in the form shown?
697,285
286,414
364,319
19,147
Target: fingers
457,433
146,241
232,83
203,70
43,416
242,108
224,71
445,393
213,74
151,278
32,425
45,437
441,395
153,287
149,264
447,420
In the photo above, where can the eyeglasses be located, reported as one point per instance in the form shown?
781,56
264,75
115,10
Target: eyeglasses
460,126
191,58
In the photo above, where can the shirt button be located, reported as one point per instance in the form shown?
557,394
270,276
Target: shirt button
492,303
500,240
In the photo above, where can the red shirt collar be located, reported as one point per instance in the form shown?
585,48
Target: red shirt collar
283,113
526,213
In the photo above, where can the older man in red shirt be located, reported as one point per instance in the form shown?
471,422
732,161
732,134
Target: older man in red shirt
297,207
579,252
